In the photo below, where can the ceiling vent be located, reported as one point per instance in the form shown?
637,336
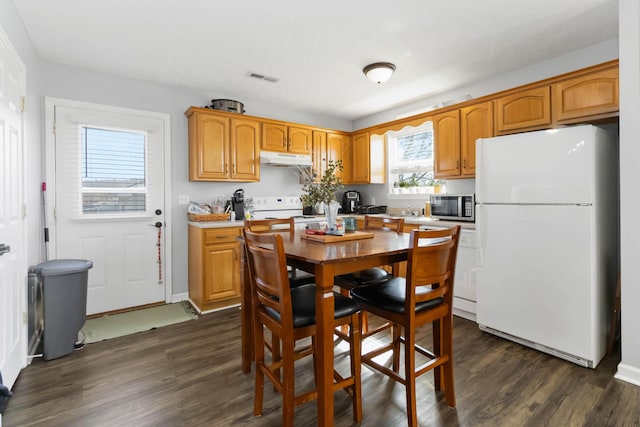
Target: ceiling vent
263,77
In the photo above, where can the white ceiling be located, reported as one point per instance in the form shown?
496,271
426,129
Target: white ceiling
317,49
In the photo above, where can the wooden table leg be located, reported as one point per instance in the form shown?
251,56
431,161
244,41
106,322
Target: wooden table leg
324,342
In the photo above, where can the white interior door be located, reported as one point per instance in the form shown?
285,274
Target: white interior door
13,258
110,203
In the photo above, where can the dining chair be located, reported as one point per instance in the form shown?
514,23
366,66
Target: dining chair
373,275
289,313
283,225
424,296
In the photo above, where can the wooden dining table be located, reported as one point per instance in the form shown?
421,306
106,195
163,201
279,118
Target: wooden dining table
325,261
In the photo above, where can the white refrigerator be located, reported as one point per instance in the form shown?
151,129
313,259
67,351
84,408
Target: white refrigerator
547,225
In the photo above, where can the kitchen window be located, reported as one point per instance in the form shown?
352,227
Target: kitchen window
410,156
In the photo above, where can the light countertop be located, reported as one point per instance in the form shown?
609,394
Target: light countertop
419,220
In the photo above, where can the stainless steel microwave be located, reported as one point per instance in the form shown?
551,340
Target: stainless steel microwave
454,207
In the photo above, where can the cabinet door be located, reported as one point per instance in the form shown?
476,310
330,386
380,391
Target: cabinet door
274,137
245,150
446,134
476,121
208,147
588,95
335,150
299,140
361,158
319,154
526,110
347,160
221,272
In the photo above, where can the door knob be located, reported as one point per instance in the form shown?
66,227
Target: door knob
156,225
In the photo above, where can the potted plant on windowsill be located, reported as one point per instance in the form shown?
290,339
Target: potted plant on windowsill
322,192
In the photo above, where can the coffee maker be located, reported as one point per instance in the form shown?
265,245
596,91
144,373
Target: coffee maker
351,200
237,203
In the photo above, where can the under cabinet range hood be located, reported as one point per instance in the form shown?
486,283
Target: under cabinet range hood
274,158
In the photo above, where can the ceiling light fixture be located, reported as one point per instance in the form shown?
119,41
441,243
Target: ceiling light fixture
379,72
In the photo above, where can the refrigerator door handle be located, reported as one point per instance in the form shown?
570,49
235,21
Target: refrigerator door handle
481,230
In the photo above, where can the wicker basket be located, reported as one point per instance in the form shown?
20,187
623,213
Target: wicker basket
208,217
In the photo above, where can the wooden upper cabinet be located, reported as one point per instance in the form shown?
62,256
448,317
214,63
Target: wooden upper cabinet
245,150
223,146
588,95
446,141
300,140
319,153
286,139
274,137
476,121
336,150
208,147
528,109
361,158
347,160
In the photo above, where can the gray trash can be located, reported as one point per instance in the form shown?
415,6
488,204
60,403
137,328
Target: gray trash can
64,294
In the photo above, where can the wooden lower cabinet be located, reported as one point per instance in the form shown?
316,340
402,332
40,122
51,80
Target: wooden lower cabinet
214,267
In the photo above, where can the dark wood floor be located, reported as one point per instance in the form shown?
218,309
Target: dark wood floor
189,375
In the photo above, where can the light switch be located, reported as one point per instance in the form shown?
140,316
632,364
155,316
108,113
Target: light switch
183,199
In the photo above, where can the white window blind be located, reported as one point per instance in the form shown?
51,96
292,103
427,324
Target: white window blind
113,171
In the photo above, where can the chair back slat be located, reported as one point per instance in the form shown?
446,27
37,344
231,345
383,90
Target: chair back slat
383,223
431,264
268,273
270,225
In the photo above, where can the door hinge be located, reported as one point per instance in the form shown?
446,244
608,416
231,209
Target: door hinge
23,103
24,211
24,318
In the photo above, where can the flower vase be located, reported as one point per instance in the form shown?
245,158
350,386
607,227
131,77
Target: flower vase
331,213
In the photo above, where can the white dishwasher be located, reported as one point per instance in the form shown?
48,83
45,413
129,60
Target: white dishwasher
464,288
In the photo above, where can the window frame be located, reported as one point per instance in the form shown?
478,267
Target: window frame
114,190
391,137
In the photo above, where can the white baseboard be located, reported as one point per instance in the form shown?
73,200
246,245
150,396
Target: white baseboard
628,373
180,297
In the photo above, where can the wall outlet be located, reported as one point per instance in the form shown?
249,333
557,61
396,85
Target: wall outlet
183,199
373,200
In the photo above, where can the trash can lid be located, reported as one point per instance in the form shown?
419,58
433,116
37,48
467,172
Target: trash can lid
59,267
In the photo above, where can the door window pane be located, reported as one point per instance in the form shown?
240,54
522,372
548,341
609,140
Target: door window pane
113,171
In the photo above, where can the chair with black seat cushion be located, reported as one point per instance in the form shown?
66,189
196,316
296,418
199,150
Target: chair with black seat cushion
282,225
373,275
289,314
425,296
